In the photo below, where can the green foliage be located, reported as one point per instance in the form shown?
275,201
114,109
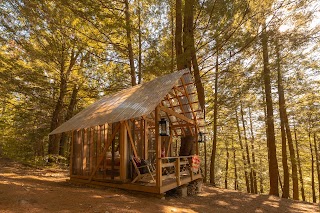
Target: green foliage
47,47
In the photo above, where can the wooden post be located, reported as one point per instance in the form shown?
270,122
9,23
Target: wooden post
91,147
145,136
178,171
99,142
196,138
85,152
158,149
71,153
123,152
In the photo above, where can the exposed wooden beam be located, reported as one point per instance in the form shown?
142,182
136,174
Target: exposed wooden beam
131,139
158,148
168,117
171,112
171,105
104,152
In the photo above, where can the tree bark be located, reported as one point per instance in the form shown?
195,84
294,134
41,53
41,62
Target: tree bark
215,117
140,45
172,37
71,107
178,36
299,165
247,149
314,199
243,155
187,32
227,166
254,173
287,131
130,49
273,163
53,147
236,185
317,161
285,189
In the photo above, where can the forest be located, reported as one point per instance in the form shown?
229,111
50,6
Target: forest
255,65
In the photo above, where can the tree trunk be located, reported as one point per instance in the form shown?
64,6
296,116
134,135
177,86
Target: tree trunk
130,50
190,50
187,32
71,107
317,160
54,140
205,162
227,167
243,155
273,163
260,171
247,149
254,173
53,148
236,185
140,45
215,116
178,36
172,37
299,165
287,131
314,199
285,188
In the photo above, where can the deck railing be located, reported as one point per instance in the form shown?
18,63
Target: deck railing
178,167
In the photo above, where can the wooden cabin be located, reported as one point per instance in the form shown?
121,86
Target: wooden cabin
158,121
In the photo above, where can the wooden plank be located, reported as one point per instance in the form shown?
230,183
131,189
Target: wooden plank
126,186
173,185
78,153
177,168
85,151
123,151
104,152
181,125
91,147
171,112
158,148
175,131
131,139
169,145
99,142
189,101
71,153
146,140
185,114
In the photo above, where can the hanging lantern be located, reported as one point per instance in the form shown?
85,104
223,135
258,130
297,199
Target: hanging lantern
164,127
200,137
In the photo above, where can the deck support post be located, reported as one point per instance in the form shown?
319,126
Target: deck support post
158,149
145,139
71,153
123,152
177,167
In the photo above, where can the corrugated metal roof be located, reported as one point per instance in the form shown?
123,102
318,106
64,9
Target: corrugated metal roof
130,103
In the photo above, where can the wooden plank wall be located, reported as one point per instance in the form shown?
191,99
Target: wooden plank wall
87,148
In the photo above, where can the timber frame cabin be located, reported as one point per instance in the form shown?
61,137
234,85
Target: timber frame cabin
107,134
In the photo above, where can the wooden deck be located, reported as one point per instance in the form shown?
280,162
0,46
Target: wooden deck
168,183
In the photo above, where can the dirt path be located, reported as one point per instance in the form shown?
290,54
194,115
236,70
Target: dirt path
25,189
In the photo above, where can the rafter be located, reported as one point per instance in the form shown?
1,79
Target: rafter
171,112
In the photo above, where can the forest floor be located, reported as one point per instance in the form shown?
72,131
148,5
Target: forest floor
28,189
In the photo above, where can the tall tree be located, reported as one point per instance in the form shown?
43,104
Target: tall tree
273,162
285,189
129,42
215,124
286,133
